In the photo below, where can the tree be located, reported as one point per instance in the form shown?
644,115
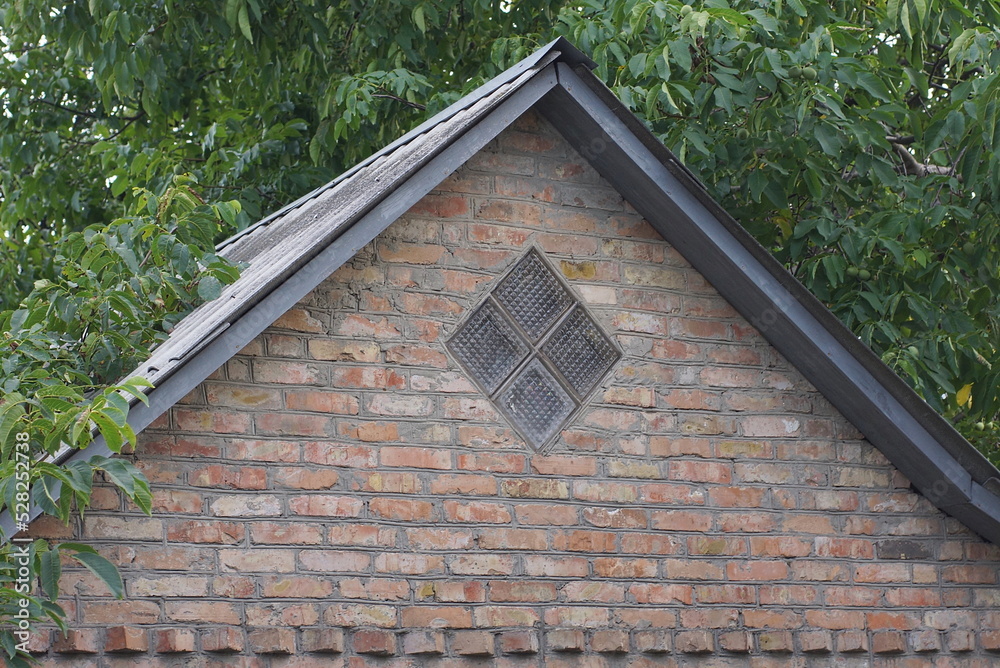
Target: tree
125,128
857,141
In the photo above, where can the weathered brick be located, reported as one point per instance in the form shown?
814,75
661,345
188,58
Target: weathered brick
519,642
77,641
272,641
222,639
472,643
373,641
323,641
694,642
173,641
423,642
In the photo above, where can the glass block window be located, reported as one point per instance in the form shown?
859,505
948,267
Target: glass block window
534,350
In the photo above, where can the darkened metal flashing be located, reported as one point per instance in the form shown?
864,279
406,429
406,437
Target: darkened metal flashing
941,464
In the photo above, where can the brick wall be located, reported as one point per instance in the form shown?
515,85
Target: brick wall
339,492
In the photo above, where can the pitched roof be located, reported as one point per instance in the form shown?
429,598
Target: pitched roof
291,251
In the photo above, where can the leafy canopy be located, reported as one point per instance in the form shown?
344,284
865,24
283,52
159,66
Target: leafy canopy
857,141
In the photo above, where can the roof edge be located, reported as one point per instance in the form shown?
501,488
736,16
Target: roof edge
919,442
560,48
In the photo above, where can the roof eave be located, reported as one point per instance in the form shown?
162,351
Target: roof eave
919,442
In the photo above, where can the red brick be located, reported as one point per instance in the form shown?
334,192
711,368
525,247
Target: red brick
455,592
816,642
305,478
521,592
888,642
585,541
482,564
296,587
616,518
233,477
852,642
609,641
492,462
775,641
376,589
170,641
353,456
371,641
780,546
77,641
564,466
327,561
476,512
564,640
321,402
423,642
362,534
427,616
513,539
402,509
661,593
477,485
223,639
757,570
591,592
836,619
535,488
272,641
560,567
410,564
439,539
546,515
437,206
321,505
738,642
694,642
519,642
107,613
324,641
472,643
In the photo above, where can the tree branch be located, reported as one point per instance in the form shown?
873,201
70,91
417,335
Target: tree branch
914,168
399,99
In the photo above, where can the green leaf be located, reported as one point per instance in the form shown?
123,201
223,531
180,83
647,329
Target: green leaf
49,573
874,86
418,18
104,570
209,288
243,18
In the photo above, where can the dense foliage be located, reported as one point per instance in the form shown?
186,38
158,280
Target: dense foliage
857,141
860,143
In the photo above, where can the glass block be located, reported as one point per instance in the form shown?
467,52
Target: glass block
533,296
488,347
580,351
536,404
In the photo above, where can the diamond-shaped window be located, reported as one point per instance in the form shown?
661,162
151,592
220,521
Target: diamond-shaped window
534,350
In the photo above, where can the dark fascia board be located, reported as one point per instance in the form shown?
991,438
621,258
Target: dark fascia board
919,442
980,468
197,367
